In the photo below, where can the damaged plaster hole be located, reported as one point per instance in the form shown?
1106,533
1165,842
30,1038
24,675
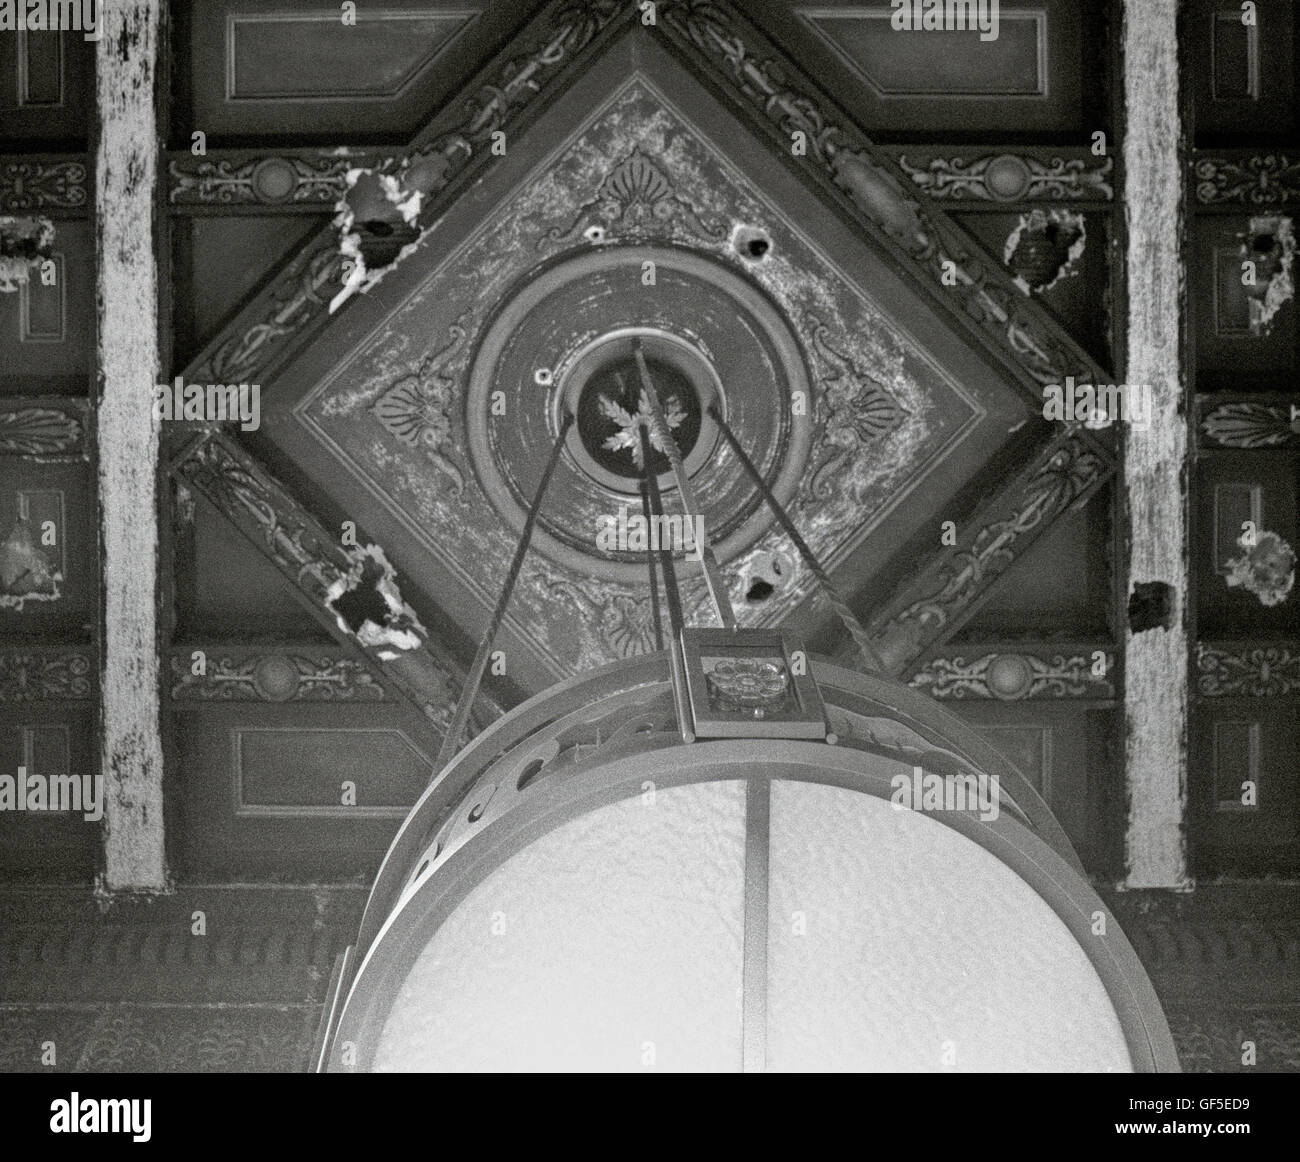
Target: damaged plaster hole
764,577
378,223
751,244
1044,247
1266,567
363,602
594,234
1267,255
1151,606
24,243
30,568
543,377
368,604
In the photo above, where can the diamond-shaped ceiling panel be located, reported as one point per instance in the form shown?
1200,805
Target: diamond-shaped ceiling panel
636,210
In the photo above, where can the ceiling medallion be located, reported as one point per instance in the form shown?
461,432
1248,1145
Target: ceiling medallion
563,342
603,391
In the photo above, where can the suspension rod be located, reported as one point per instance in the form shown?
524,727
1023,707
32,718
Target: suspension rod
865,646
650,563
451,740
708,562
656,505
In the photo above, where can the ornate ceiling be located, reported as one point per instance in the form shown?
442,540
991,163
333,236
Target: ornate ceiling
920,240
769,255
826,363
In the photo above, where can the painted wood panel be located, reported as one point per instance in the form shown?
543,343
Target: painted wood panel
380,76
1035,75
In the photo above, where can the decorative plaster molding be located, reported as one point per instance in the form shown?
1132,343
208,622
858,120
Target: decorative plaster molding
316,563
1012,675
251,499
296,301
43,427
46,674
1210,1038
624,623
858,411
937,601
635,193
1250,424
42,184
298,295
772,90
1257,180
416,409
1241,670
272,677
1012,177
300,180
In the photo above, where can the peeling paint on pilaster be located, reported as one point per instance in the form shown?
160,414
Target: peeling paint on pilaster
127,288
1156,459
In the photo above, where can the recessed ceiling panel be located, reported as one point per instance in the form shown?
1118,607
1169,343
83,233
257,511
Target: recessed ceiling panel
941,63
637,213
373,59
294,70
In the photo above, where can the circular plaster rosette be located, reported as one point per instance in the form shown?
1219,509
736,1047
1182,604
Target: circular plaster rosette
566,340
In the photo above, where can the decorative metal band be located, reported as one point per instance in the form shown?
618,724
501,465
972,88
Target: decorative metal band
939,599
1241,670
1014,675
870,184
50,185
44,427
46,674
1250,424
305,179
295,303
1259,180
1009,177
270,677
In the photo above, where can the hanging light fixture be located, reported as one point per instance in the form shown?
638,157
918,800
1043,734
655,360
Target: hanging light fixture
728,856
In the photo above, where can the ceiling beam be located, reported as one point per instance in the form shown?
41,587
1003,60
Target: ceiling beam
126,163
1156,460
311,179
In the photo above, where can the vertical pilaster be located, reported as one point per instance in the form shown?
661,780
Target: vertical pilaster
127,285
1155,460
